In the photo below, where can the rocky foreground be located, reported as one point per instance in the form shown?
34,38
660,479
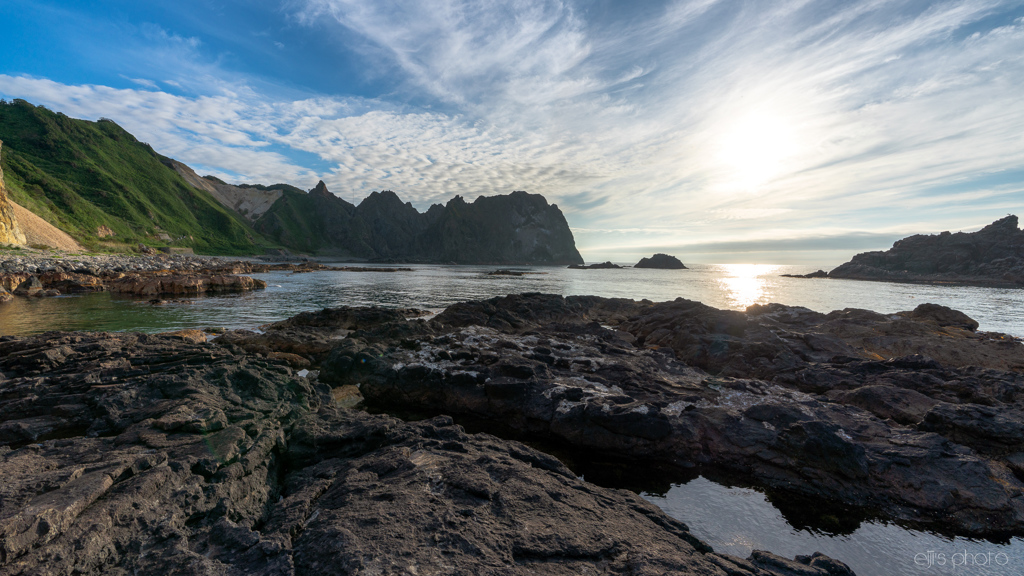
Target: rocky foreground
128,453
165,454
914,417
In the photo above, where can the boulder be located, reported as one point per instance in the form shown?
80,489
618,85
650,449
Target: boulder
30,287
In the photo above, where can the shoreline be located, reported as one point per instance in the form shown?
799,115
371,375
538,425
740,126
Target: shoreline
952,282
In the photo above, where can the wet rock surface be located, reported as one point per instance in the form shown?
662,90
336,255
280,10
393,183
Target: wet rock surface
913,416
165,454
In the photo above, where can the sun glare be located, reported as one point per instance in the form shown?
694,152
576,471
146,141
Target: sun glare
753,149
745,284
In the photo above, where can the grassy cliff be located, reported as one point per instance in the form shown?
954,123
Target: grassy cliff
92,178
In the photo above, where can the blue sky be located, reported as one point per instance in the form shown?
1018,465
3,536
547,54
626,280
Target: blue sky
717,130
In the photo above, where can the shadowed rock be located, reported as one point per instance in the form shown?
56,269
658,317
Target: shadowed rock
661,261
157,454
850,406
992,256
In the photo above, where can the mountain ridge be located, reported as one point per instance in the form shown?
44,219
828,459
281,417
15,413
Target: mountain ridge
108,191
98,183
516,228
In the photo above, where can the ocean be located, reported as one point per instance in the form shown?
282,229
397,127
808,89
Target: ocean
732,286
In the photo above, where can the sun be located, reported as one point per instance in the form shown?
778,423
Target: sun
754,147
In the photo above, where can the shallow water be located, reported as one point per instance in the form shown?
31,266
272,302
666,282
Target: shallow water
733,286
736,520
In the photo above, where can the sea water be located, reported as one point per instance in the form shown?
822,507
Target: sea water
736,520
732,286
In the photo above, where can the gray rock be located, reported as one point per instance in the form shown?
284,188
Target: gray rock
154,454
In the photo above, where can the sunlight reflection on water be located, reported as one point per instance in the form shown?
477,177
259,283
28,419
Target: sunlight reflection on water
434,287
746,284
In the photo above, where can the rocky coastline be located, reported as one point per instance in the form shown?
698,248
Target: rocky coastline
37,275
915,417
241,454
992,256
157,454
599,266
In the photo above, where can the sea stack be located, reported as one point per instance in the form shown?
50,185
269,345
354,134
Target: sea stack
10,232
662,261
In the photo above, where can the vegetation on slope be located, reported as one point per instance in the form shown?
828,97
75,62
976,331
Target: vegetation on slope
89,177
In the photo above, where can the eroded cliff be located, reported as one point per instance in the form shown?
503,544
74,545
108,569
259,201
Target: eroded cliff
10,232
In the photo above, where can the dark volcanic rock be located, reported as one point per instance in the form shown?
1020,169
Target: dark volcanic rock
662,261
834,406
136,454
992,256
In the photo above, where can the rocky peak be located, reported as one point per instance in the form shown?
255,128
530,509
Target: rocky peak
321,189
1007,224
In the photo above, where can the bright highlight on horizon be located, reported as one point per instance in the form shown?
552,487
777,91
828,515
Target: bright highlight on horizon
715,130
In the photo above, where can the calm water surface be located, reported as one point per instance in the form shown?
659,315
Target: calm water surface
736,520
434,287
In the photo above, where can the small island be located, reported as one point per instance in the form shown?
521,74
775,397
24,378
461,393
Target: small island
662,262
601,266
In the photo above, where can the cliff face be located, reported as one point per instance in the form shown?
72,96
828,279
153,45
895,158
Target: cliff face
250,203
10,232
991,256
517,228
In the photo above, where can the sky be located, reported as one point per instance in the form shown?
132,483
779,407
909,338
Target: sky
760,131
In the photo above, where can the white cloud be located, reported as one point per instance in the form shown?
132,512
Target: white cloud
700,121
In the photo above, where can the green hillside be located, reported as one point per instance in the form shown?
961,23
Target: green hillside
80,175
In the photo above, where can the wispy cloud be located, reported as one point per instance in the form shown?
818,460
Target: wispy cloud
668,124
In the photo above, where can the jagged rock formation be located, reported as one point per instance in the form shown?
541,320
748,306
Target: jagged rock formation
661,261
518,228
992,256
164,454
10,231
914,416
